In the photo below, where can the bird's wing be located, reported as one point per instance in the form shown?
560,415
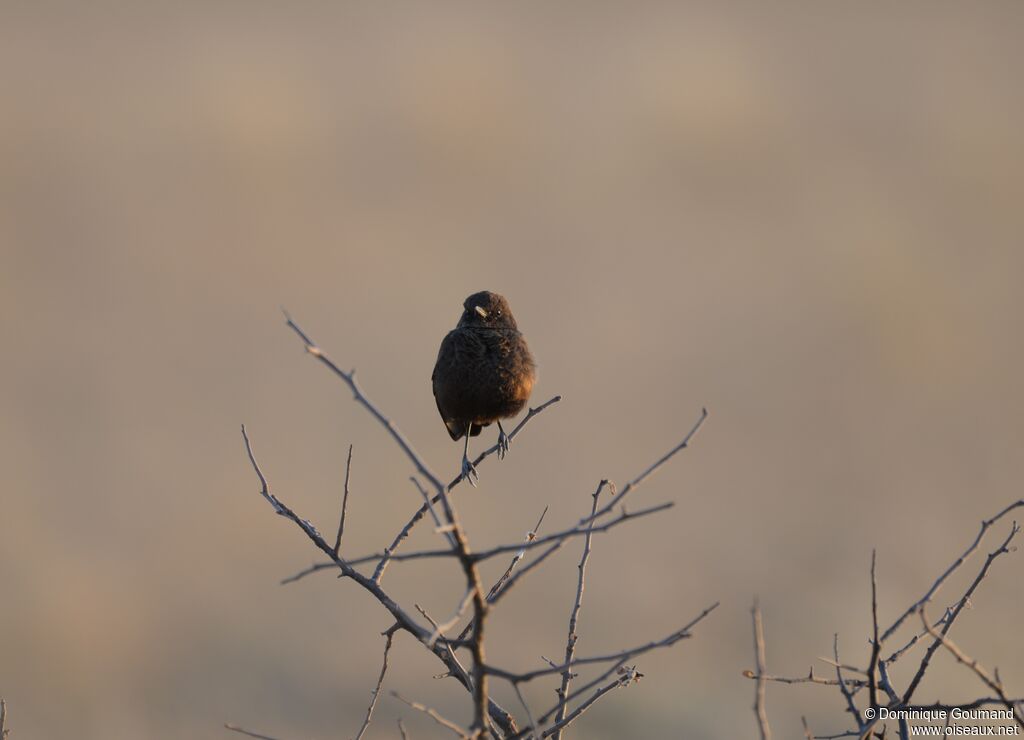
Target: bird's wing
446,359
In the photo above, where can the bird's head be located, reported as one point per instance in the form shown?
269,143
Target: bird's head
487,310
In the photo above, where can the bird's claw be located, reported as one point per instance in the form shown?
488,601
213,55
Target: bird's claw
504,442
469,472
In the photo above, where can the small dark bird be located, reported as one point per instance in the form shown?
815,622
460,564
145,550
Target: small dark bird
484,372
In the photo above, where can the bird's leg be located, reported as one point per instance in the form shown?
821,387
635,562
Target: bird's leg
468,471
503,442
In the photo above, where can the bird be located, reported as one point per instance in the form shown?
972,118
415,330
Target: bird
484,373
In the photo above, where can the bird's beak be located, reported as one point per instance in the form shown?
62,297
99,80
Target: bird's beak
480,310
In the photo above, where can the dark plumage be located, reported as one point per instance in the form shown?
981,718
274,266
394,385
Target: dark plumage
484,372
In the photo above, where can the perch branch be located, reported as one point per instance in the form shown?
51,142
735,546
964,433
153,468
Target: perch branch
403,534
406,622
405,531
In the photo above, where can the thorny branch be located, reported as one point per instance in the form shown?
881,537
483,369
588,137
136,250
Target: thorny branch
405,621
389,552
488,717
627,676
990,680
580,529
963,602
949,571
877,674
680,634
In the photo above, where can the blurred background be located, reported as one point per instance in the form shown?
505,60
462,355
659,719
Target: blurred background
806,217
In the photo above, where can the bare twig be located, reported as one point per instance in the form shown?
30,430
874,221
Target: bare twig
850,705
406,622
627,676
581,690
241,731
894,698
877,675
460,546
680,634
617,668
505,582
990,680
844,666
344,503
759,695
404,532
808,735
581,528
570,642
510,584
488,717
951,569
530,537
401,729
876,646
314,568
441,528
809,678
480,609
985,701
389,635
616,499
280,508
360,397
440,629
575,531
964,600
532,727
614,669
433,714
4,732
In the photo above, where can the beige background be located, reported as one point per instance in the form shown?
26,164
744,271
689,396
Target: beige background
807,217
